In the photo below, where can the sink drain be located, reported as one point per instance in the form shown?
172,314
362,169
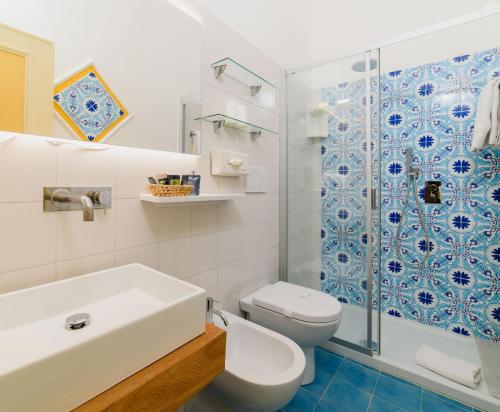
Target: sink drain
77,321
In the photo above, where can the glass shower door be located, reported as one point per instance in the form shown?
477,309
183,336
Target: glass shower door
332,174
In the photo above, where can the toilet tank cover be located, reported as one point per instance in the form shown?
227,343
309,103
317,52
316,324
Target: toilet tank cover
298,302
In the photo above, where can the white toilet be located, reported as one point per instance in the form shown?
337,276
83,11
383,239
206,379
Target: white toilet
263,368
307,316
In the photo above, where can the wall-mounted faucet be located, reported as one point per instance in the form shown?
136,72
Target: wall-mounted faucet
211,311
57,199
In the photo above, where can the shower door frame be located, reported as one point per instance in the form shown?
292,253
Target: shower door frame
283,196
372,199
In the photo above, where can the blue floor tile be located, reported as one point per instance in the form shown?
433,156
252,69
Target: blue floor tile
378,405
343,397
365,365
303,401
401,393
320,383
357,375
327,361
448,400
435,404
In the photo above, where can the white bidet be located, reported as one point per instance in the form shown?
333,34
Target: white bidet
263,368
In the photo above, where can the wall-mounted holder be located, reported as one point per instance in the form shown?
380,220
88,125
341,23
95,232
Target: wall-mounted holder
220,120
241,74
226,163
87,199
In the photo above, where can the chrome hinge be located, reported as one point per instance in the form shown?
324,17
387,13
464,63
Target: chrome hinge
374,199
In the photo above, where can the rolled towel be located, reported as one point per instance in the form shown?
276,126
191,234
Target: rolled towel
455,369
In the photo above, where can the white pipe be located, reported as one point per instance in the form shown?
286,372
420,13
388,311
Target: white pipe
486,11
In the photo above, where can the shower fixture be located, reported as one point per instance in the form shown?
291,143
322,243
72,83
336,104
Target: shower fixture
412,172
360,66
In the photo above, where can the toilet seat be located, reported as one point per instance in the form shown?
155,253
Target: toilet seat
297,302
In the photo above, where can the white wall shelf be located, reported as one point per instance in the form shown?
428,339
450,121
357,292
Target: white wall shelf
185,200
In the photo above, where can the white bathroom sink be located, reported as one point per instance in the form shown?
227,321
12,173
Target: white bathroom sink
137,315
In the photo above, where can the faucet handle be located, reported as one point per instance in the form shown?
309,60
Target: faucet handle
210,304
99,197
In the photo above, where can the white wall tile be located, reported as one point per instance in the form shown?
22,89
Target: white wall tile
26,278
223,139
177,163
204,255
205,219
255,238
255,208
76,267
229,280
232,184
132,167
206,280
76,238
229,215
136,223
79,166
26,165
28,237
174,257
231,304
228,245
174,223
248,271
146,255
209,183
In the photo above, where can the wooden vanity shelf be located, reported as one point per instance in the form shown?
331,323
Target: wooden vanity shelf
171,381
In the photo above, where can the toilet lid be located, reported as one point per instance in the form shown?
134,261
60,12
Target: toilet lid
298,302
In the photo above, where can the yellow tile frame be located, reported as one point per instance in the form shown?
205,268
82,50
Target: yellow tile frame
64,83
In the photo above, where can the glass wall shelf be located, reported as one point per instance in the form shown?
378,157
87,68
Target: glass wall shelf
233,69
221,120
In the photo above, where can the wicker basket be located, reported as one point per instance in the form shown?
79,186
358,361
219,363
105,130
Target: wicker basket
171,190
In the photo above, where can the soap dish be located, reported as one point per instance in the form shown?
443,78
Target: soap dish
170,190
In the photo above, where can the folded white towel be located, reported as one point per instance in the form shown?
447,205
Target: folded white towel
455,369
486,124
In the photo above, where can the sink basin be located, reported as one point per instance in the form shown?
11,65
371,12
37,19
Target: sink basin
137,315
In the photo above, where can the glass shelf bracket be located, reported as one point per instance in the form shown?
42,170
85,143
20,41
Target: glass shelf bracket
240,73
220,120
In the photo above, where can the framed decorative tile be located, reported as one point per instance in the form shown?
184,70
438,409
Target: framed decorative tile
87,105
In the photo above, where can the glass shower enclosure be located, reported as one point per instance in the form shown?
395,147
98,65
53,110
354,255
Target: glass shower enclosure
333,190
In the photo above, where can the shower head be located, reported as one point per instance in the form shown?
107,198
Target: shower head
360,66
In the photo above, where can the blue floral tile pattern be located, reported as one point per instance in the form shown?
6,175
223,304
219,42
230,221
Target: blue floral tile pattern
430,108
88,106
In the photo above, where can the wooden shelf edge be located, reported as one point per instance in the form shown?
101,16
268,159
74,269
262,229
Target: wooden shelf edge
171,381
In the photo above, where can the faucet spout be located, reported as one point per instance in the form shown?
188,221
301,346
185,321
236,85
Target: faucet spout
87,207
64,196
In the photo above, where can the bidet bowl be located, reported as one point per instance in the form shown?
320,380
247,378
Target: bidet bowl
128,317
263,368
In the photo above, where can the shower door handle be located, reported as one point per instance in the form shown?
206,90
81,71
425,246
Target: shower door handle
374,199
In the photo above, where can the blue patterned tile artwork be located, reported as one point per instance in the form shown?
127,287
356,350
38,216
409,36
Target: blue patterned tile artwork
86,104
430,108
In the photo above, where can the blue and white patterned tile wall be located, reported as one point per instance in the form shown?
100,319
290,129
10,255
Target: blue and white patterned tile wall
430,108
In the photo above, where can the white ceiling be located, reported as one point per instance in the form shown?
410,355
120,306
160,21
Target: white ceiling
296,32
